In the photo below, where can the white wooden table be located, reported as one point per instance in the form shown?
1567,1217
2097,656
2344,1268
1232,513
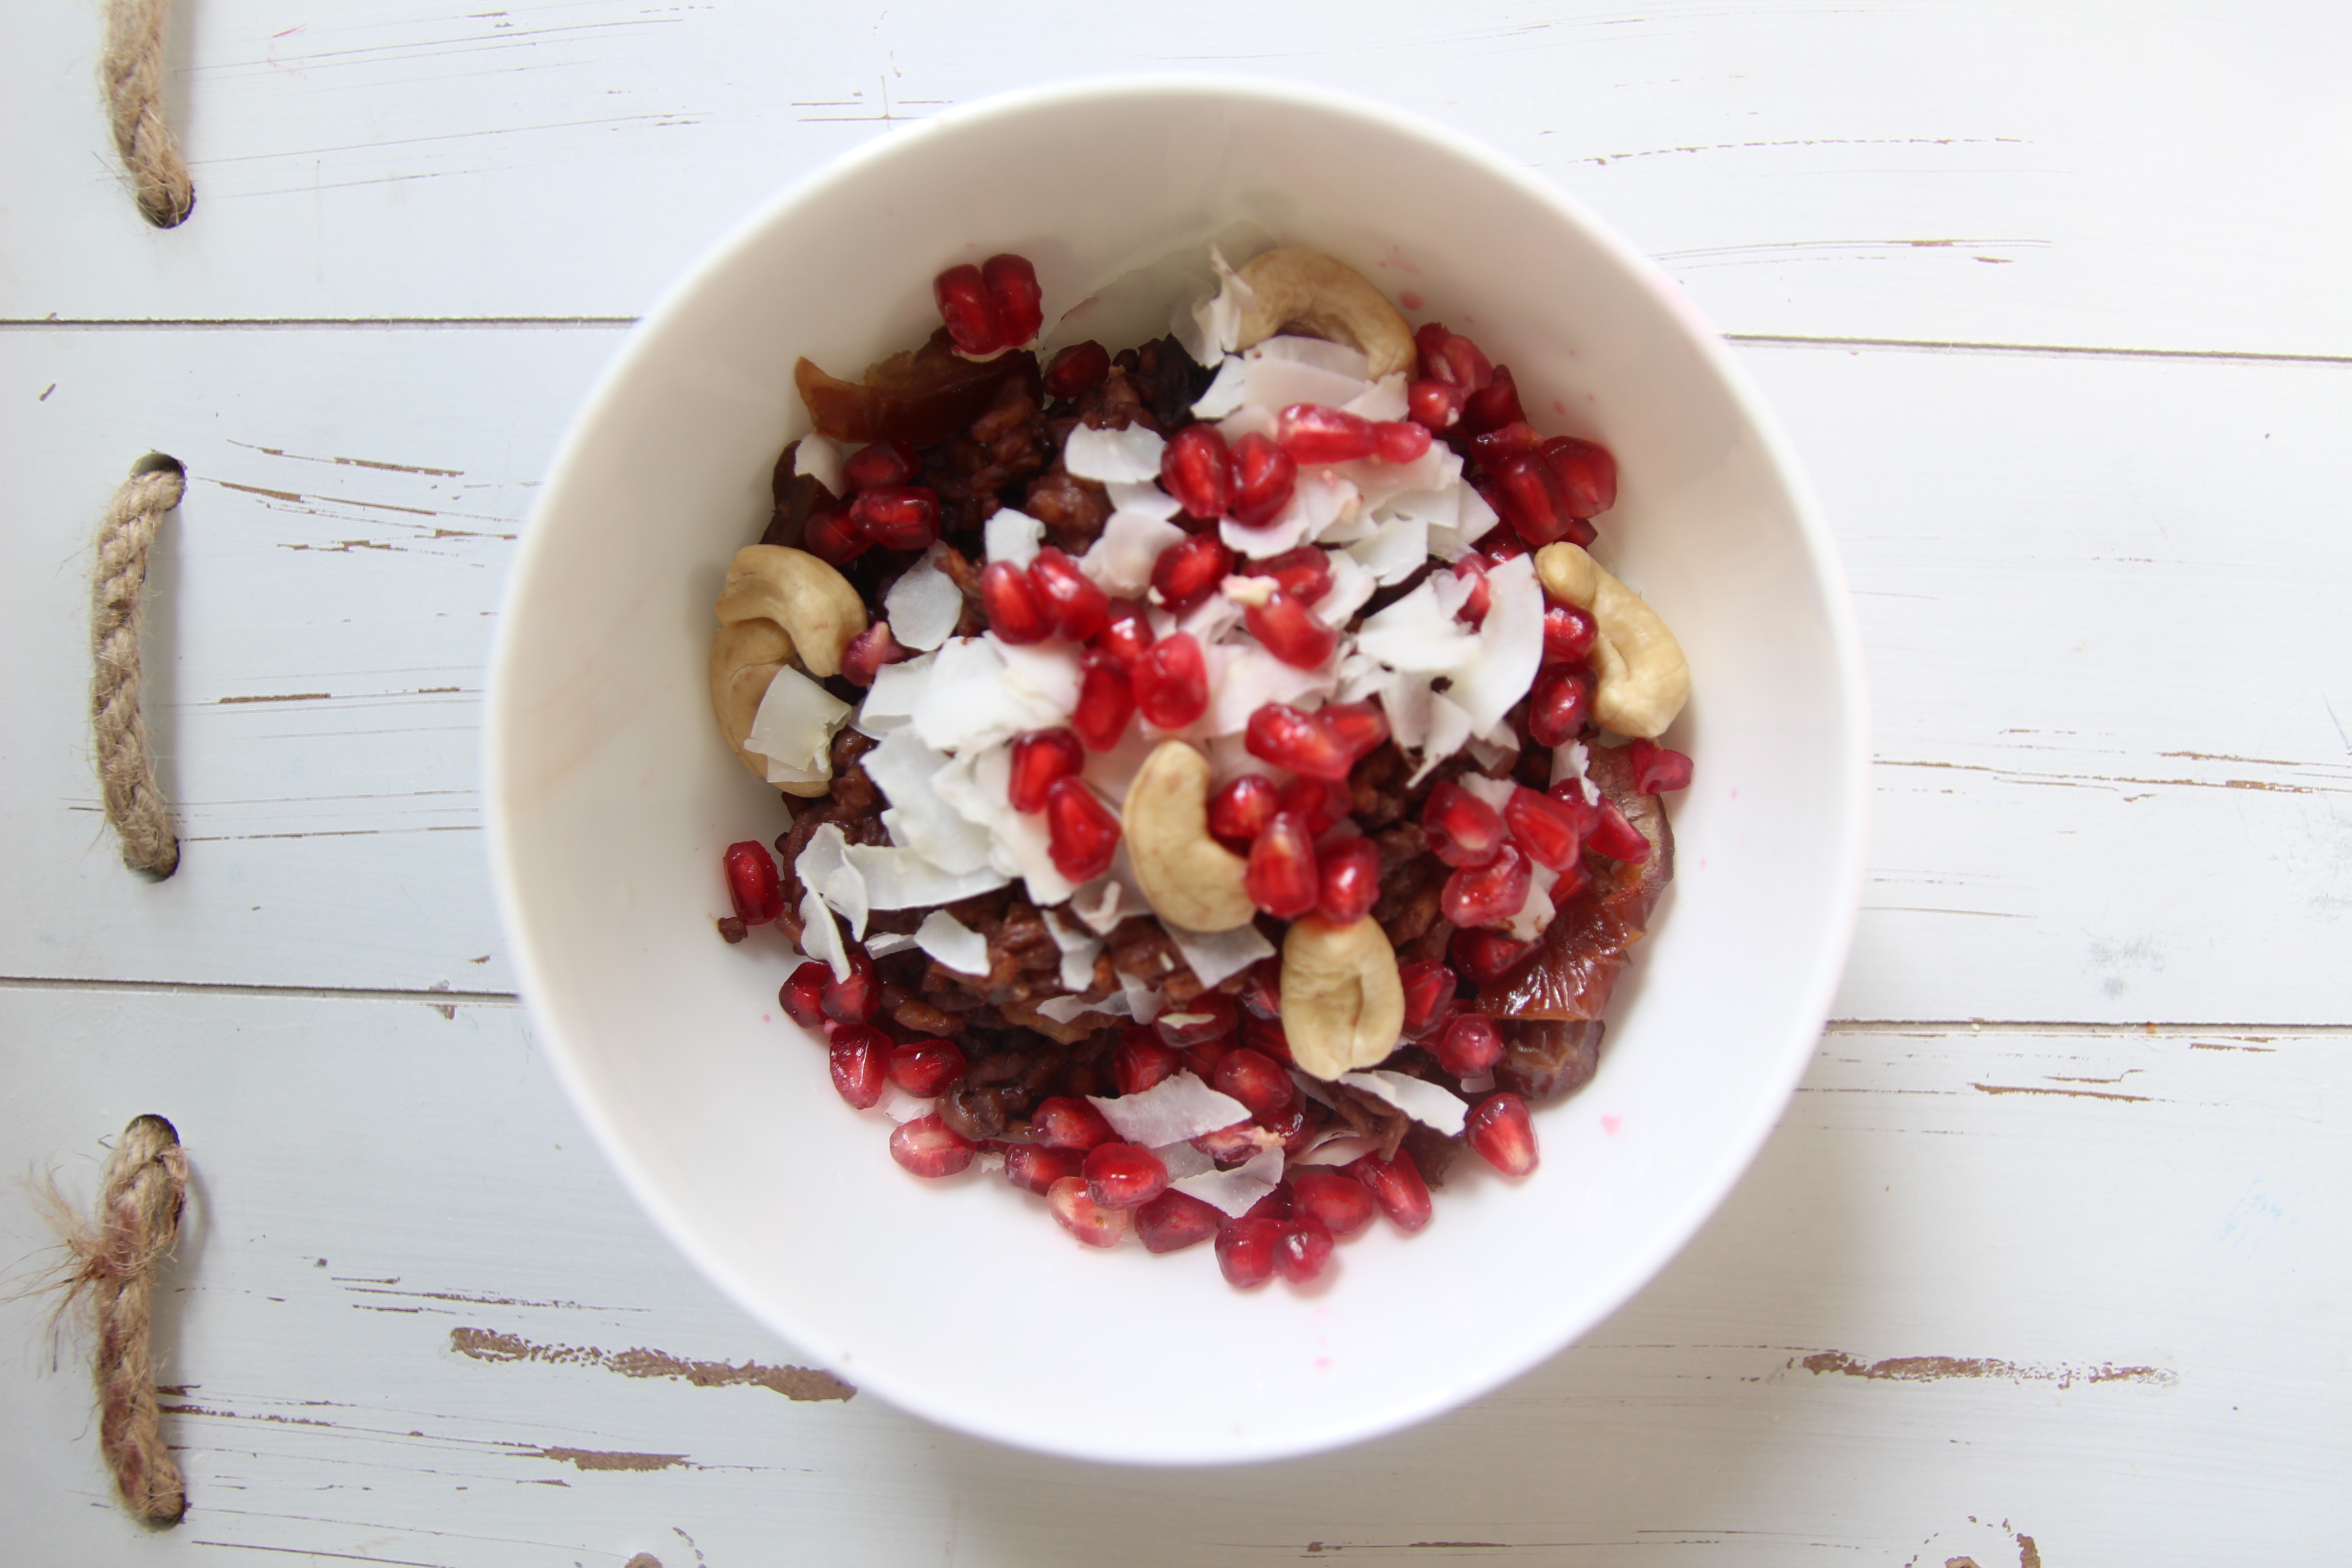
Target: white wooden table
2048,1262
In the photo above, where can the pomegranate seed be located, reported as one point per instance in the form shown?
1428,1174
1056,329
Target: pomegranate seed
1528,494
1398,440
1486,957
1494,403
1492,448
1171,681
1262,991
1139,1060
1065,1122
752,884
1499,1129
1434,405
1502,547
1106,702
1551,833
1587,472
1126,635
1657,768
1264,477
925,1067
904,517
1470,1045
1036,1169
1083,1217
1560,702
1081,367
1265,1037
801,995
1190,570
1302,1250
1568,633
1473,569
1123,1176
1451,358
929,1147
1257,1081
1010,601
885,465
974,322
1081,833
856,999
1343,1205
1077,608
1239,811
1281,877
1362,725
1312,433
1197,469
1281,734
1321,804
858,1057
1202,1061
1174,1221
1290,631
1429,997
1020,303
868,651
834,537
1039,757
1396,1185
1488,894
1275,1204
1614,836
1462,830
1304,574
1350,875
1245,1250
1210,1017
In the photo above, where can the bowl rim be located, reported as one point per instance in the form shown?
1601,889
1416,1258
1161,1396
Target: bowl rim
1823,565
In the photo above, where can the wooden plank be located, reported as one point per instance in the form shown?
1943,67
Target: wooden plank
1972,1294
1997,172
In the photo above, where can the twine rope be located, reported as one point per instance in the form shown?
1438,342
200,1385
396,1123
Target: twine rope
131,71
134,802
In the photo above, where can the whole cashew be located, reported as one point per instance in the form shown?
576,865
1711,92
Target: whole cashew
1193,880
1326,299
1342,1004
814,604
744,658
1645,680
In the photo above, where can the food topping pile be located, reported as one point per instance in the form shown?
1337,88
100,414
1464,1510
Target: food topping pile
1227,786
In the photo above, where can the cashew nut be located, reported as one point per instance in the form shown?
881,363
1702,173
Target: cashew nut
815,605
1325,298
1193,880
1342,1004
1645,680
744,658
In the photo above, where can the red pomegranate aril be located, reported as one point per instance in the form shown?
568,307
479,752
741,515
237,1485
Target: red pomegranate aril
1174,1221
1657,768
1239,811
1009,600
856,999
1281,876
1081,834
1492,448
1434,405
1559,704
1568,633
1139,1060
1470,1045
1074,1208
834,537
1170,680
1290,631
1039,757
1210,1017
1304,574
1494,403
1343,1205
858,1056
1034,1168
1257,1081
1106,702
1302,1250
1350,875
1202,1061
1451,358
868,651
1486,895
1265,1037
885,465
1245,1250
1396,1185
1314,435
1020,303
1530,500
1550,832
1499,1128
1462,830
925,1067
1398,440
1077,608
801,995
754,886
1281,734
1486,957
1613,835
1124,1176
1362,725
1262,991
1321,804
904,517
1429,997
1265,476
1473,569
1079,368
927,1146
1126,635
974,322
1501,547
1588,473
1190,570
1196,467
1065,1122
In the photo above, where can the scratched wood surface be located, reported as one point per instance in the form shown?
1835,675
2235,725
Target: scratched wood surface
2044,1264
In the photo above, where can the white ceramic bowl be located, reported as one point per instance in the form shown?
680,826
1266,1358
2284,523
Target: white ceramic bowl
612,796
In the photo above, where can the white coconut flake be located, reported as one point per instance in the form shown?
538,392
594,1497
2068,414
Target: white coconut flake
1169,1111
1339,359
976,785
1212,326
1534,912
1214,955
820,938
1449,727
1249,419
1384,400
1066,1009
924,603
1496,793
1419,634
1104,902
1478,519
1045,676
1144,1003
1251,678
794,727
1079,951
1569,761
1286,531
1182,1160
1352,587
901,1107
820,459
1426,1102
824,867
955,944
1011,535
1510,645
1144,496
1132,454
1120,562
1226,393
891,699
971,701
1276,382
902,880
1496,750
1340,1148
1395,550
1236,1191
905,770
884,943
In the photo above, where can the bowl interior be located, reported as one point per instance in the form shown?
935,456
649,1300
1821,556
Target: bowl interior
612,796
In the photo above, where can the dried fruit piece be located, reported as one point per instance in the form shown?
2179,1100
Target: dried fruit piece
1499,1129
